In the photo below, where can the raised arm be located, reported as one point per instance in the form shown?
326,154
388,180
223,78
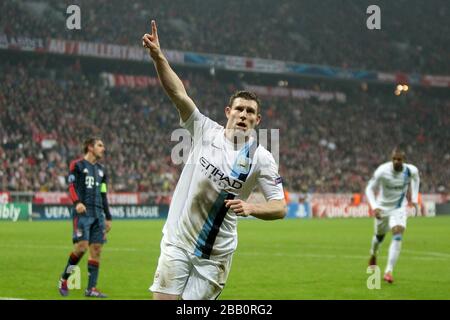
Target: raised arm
168,78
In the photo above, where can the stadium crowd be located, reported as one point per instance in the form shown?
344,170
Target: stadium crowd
301,31
324,146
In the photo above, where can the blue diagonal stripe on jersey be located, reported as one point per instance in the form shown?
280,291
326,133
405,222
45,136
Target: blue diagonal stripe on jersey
216,215
406,175
211,227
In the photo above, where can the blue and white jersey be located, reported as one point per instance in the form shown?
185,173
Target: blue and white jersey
216,170
392,186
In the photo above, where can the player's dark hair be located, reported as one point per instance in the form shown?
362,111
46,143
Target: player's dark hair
247,95
89,142
399,149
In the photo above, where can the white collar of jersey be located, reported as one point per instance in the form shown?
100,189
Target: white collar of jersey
222,141
397,172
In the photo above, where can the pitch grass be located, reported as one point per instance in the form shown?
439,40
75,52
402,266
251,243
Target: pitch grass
288,259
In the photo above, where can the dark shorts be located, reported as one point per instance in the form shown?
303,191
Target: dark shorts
90,229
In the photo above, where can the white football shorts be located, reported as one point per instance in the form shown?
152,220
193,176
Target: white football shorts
181,273
390,219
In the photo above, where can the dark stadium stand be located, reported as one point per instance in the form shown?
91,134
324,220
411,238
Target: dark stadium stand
46,109
327,32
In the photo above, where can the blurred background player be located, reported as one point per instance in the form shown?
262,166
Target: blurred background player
392,180
200,234
91,215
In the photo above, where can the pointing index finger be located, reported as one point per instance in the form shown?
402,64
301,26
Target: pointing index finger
154,29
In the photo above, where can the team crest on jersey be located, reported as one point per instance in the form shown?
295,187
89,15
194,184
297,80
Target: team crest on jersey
100,173
86,171
242,165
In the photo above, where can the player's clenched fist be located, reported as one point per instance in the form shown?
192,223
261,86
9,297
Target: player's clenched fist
151,42
377,213
80,208
239,207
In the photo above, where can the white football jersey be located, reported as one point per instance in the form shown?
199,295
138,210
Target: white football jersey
198,220
393,186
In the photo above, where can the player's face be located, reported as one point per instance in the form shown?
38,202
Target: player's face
99,149
397,161
242,115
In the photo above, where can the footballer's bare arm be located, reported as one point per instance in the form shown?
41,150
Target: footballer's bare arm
170,81
270,210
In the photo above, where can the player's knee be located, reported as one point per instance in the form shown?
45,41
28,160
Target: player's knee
81,251
398,230
81,248
165,296
95,251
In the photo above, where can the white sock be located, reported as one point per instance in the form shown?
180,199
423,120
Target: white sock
375,245
394,252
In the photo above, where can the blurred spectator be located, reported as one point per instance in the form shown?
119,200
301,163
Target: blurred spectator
324,146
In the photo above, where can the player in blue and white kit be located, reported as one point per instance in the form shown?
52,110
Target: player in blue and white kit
224,166
392,179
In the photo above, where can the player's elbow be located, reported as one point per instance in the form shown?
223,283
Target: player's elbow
282,212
